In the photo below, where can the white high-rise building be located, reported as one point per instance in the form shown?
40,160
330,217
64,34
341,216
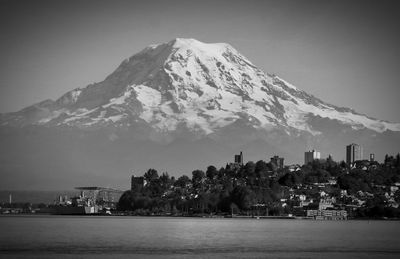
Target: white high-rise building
354,152
310,156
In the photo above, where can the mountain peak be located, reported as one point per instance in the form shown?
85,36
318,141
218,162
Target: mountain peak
202,86
194,44
189,42
183,41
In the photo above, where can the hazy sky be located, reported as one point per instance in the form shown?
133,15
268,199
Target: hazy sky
345,52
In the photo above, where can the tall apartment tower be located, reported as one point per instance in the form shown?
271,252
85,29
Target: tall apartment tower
239,159
311,155
354,152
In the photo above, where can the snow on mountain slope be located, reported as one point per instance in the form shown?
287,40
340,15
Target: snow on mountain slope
204,87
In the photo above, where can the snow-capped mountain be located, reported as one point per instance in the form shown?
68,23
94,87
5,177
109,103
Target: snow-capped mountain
178,106
204,87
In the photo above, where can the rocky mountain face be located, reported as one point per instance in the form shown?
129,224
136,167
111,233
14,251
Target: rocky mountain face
178,106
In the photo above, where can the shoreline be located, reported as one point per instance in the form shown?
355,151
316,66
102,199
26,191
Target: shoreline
196,216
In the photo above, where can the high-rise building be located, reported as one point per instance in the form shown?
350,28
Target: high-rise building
311,155
278,161
239,159
354,152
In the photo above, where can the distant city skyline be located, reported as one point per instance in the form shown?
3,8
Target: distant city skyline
345,53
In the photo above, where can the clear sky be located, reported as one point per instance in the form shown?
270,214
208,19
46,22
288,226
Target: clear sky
345,52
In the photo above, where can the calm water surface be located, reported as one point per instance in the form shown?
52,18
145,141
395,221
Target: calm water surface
154,237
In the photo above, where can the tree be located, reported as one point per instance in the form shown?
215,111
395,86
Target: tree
224,201
211,172
182,181
165,181
249,169
213,201
343,164
261,169
290,179
330,165
197,178
243,197
356,180
234,209
386,161
132,201
397,196
151,175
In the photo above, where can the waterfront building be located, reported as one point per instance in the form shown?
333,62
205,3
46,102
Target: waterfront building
326,211
327,214
278,161
354,152
311,155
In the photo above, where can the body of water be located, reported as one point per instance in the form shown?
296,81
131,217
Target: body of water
42,236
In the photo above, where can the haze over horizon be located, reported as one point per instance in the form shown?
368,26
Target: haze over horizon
343,52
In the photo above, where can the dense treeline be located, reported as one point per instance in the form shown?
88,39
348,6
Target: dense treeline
242,189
